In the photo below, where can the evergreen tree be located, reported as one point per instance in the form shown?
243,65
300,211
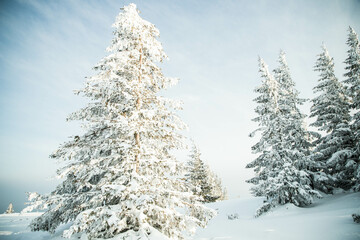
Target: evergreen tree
121,177
266,111
10,209
331,109
352,62
202,181
289,102
282,146
218,190
352,82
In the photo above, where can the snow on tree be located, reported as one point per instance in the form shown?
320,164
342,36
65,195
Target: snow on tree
201,180
121,176
352,82
331,110
352,62
217,187
289,102
266,111
282,146
10,209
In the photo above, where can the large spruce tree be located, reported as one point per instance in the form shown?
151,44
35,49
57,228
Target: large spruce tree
289,102
331,110
121,176
352,83
280,174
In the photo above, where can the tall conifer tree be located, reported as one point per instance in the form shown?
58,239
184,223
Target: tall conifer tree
331,110
352,82
289,102
121,177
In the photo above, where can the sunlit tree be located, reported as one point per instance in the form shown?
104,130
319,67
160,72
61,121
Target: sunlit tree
120,175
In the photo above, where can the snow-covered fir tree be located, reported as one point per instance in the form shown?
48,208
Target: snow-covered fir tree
352,62
217,186
121,176
297,139
282,147
331,110
352,83
288,103
10,209
201,180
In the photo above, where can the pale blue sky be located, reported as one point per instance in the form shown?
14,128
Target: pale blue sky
48,47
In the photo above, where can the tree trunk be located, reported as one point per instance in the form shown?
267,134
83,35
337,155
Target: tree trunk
138,103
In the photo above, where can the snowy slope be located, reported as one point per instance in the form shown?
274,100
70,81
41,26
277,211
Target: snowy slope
14,226
329,218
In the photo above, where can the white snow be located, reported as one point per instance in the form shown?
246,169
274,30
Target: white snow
328,218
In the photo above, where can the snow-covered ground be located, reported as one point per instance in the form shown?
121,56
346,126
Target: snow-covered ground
329,218
14,226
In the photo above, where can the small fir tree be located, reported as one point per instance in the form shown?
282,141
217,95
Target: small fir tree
121,177
218,190
279,176
10,209
331,110
201,180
